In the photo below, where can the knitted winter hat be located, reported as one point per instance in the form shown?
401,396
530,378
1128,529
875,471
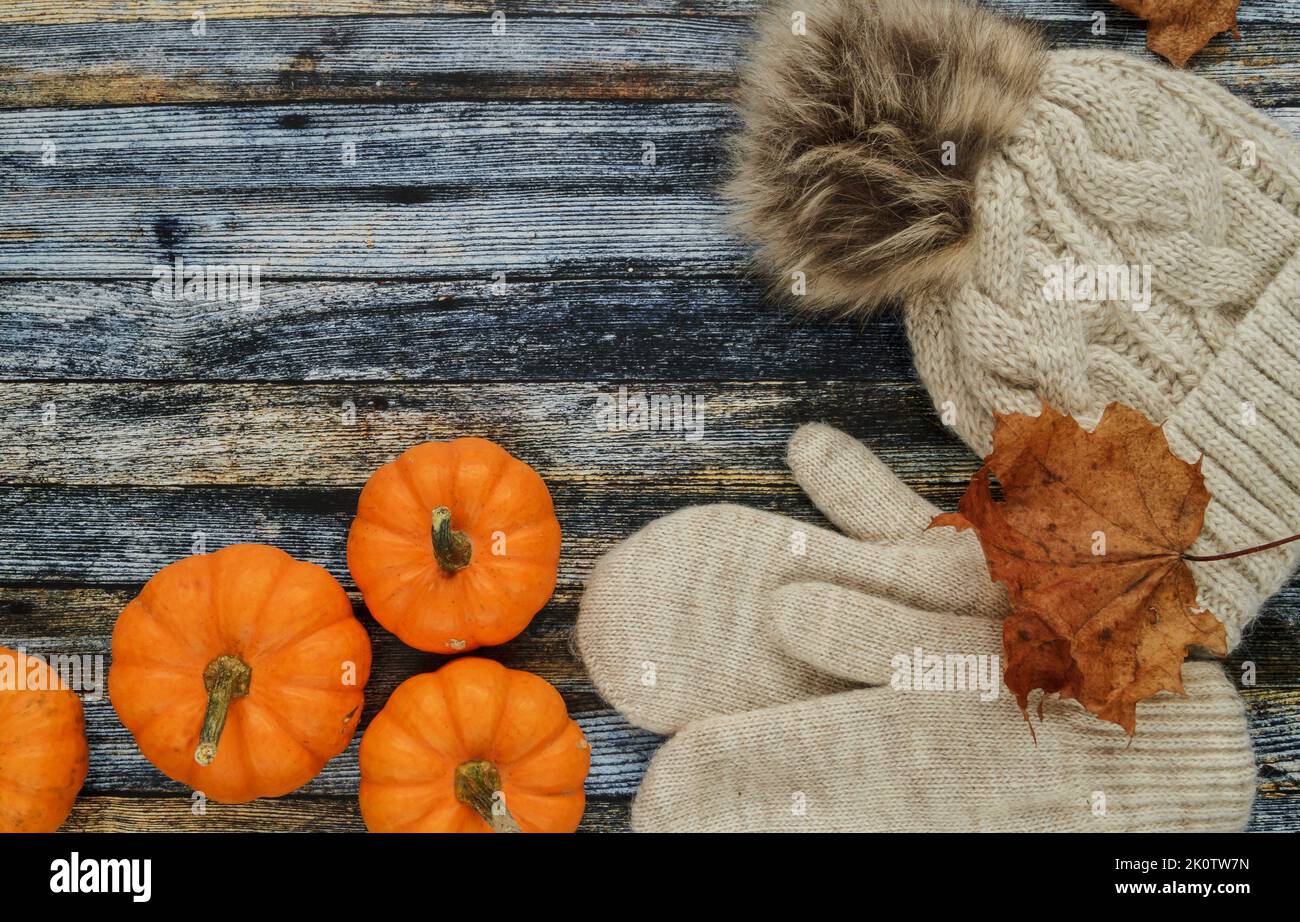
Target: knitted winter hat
1073,226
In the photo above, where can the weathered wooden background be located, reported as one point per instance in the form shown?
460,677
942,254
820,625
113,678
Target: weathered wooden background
475,154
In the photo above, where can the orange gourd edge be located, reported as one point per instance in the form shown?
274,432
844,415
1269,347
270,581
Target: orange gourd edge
455,545
473,747
44,757
240,673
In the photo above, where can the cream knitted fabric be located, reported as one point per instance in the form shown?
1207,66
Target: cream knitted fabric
1072,226
676,621
1124,165
881,760
751,636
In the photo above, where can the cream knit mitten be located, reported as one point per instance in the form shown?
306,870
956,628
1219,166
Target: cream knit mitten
751,636
881,760
677,622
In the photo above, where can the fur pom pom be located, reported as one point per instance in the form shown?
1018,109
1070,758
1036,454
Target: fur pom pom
839,168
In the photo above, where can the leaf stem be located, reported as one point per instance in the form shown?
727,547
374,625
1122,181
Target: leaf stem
1243,553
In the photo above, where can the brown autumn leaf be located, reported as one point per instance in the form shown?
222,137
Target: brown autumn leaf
1089,539
1177,29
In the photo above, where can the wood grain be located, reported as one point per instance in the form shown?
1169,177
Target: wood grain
476,153
336,435
449,213
422,151
295,813
62,533
80,621
597,56
293,234
541,191
59,11
113,536
52,12
619,752
1274,717
636,331
427,151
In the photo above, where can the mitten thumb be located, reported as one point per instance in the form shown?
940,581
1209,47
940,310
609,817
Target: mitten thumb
853,488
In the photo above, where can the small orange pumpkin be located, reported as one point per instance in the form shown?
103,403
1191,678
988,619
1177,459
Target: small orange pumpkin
43,753
455,545
240,673
473,747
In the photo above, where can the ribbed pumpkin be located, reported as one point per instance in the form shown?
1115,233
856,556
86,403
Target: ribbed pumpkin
43,752
455,545
473,747
241,672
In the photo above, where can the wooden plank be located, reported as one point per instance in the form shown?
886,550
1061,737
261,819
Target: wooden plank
50,12
619,755
1275,719
80,621
120,536
424,150
620,763
1274,813
353,59
106,813
356,59
633,330
565,234
548,191
55,12
520,189
405,155
1272,648
335,435
295,813
174,813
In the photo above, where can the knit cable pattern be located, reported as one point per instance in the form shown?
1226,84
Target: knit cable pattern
1126,166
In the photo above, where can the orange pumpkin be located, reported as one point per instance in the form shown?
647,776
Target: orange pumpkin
42,745
473,747
455,545
240,673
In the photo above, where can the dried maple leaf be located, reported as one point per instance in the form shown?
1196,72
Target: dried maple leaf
1089,539
1177,29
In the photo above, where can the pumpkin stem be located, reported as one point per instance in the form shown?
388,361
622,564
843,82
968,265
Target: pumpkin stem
225,679
477,785
452,548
